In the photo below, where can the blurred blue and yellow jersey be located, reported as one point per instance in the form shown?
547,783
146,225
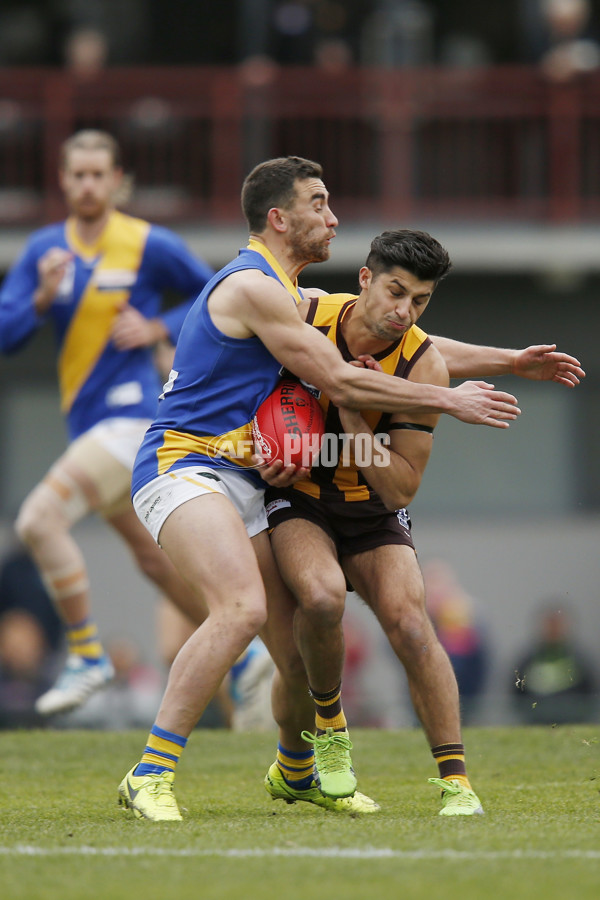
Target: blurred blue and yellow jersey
131,262
217,384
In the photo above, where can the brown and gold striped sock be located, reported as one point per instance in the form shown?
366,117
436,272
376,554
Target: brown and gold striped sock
328,710
450,759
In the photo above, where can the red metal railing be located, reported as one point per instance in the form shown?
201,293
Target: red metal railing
494,144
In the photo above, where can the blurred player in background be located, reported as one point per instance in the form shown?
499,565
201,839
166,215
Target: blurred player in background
99,277
204,502
347,520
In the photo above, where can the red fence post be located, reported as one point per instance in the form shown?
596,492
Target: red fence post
59,123
227,146
564,139
393,103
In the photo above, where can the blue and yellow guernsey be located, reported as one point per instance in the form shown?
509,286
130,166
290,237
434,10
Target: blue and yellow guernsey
217,384
341,481
131,262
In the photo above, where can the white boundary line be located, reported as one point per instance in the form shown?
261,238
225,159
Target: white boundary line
20,850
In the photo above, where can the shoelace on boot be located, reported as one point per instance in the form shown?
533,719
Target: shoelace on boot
331,749
463,794
162,788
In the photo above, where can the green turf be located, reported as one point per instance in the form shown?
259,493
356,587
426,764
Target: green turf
63,836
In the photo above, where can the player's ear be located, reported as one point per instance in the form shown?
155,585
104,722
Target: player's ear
276,219
365,277
122,187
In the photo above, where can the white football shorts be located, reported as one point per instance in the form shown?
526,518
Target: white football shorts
157,499
121,437
105,454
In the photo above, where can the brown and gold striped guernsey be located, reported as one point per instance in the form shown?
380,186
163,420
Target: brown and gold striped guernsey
339,482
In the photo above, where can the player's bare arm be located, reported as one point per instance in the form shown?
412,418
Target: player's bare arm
543,362
251,303
539,362
408,451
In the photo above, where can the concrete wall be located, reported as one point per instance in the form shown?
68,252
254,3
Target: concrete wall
506,566
516,513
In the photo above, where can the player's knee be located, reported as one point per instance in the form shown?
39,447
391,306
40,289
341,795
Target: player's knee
153,563
240,618
410,631
324,600
255,615
324,606
36,518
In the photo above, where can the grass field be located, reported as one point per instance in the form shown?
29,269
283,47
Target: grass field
63,836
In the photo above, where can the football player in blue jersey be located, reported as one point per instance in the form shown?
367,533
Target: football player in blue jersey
194,485
99,277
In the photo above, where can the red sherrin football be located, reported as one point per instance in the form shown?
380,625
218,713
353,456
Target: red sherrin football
289,425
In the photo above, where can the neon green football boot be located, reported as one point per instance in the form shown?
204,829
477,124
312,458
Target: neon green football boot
334,773
150,796
279,789
457,800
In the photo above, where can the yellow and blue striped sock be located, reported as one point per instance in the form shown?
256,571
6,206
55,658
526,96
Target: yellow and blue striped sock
162,752
296,767
328,710
83,640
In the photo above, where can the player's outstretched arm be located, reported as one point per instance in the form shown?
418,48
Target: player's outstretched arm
474,402
257,305
539,362
481,404
543,362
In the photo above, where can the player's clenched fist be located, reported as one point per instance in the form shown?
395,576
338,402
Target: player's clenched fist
52,267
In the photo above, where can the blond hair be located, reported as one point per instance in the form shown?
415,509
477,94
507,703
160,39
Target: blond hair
94,139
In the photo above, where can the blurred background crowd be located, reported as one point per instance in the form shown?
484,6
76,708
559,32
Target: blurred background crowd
294,32
479,122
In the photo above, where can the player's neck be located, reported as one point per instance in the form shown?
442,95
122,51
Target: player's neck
359,339
282,253
89,230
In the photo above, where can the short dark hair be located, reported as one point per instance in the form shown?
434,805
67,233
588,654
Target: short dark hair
91,139
273,183
415,251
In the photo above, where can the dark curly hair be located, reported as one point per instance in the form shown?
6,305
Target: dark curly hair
415,251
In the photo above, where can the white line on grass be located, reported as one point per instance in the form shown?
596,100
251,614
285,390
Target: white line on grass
331,852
